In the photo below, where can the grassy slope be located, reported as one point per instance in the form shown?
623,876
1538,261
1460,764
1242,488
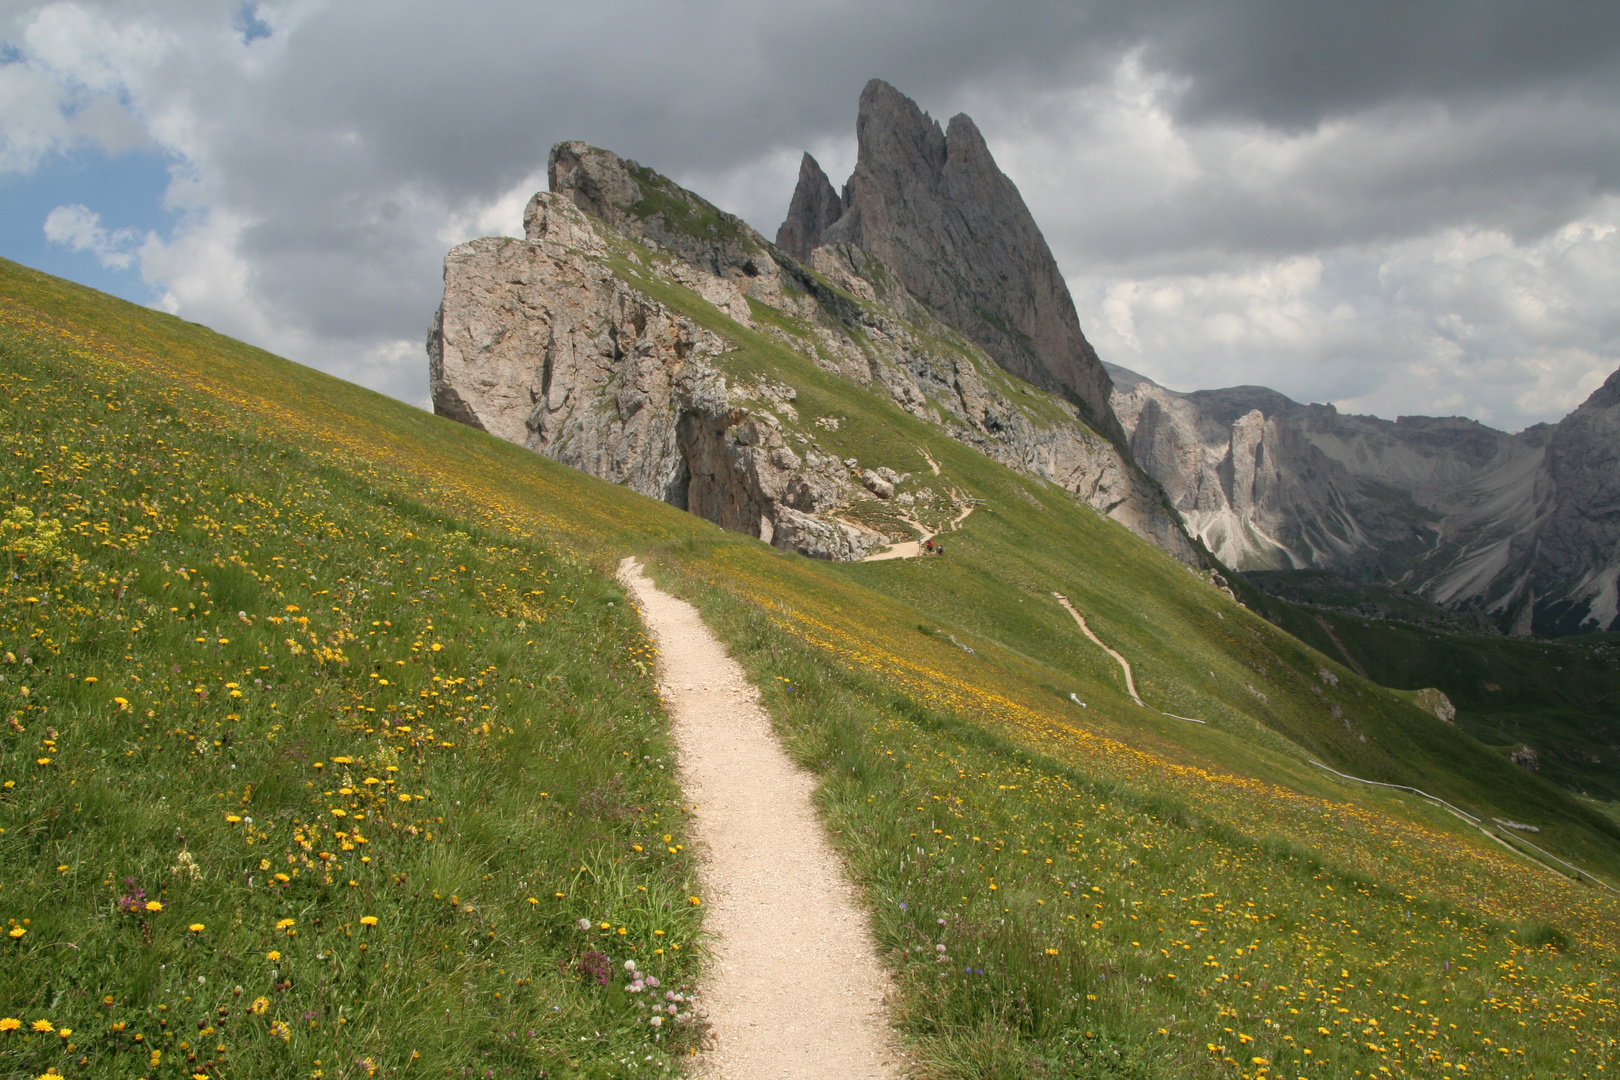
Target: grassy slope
1195,653
277,693
958,783
1561,697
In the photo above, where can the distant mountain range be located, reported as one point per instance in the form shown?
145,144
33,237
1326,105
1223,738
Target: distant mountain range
1523,528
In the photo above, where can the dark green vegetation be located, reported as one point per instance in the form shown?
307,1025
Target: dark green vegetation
1559,697
1326,589
1122,892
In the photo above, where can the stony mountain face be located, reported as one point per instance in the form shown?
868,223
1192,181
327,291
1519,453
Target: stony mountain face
539,342
814,208
601,340
1524,527
932,205
1537,536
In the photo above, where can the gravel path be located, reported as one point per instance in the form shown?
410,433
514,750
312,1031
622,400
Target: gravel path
793,987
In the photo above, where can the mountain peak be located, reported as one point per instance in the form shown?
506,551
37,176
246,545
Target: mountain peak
932,203
815,206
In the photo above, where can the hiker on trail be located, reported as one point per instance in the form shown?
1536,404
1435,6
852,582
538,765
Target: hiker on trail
930,547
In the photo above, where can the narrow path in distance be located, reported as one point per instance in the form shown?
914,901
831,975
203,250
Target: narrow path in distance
793,988
1130,683
910,549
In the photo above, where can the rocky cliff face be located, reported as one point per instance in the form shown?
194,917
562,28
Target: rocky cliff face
560,342
1537,536
1525,527
540,343
815,207
932,205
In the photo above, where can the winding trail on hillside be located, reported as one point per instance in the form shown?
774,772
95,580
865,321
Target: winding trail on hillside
1125,665
910,549
793,988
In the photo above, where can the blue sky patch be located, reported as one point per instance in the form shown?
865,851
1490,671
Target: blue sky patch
250,25
127,191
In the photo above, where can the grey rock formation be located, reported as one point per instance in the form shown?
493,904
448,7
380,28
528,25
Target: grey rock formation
1537,535
640,203
1580,543
550,342
1268,483
1436,701
540,343
815,206
1524,527
932,205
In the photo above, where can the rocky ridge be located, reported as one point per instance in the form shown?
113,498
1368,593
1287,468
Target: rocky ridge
570,342
1524,528
932,205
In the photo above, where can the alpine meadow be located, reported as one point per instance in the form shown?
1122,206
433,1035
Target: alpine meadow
333,748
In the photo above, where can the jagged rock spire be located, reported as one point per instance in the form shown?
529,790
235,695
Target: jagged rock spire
933,205
815,206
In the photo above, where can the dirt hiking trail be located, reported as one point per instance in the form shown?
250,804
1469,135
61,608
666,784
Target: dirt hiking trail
1130,681
794,988
910,549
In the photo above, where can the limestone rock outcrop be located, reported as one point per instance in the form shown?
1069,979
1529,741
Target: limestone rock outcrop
815,206
560,343
933,205
540,343
1536,537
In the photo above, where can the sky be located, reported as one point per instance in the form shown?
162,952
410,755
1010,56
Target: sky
1396,207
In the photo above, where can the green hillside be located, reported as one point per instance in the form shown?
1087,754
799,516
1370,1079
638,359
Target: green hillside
1561,697
1118,891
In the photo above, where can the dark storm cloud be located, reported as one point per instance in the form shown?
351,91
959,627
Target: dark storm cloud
1293,64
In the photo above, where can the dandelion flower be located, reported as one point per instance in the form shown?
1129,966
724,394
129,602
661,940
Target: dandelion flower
693,900
44,1027
272,956
17,931
368,920
282,924
260,1006
10,1023
196,928
154,905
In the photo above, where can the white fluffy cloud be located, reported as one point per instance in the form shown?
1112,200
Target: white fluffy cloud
78,227
1366,210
